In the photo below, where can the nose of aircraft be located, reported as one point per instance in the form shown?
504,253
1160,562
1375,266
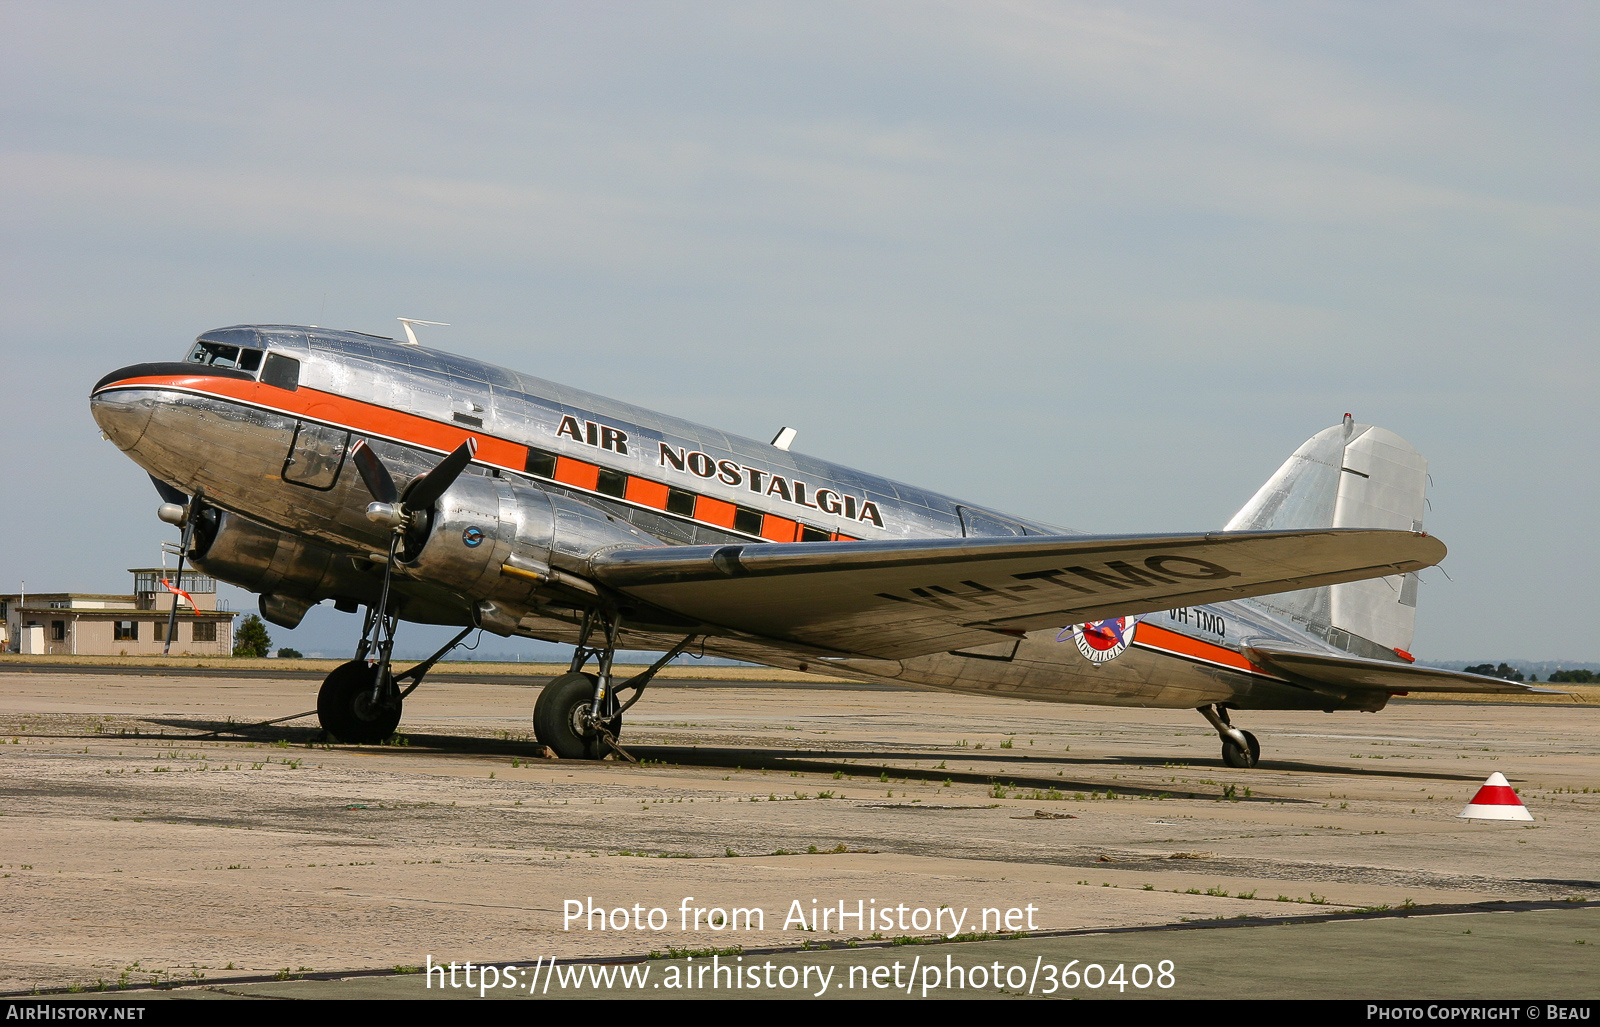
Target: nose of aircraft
123,414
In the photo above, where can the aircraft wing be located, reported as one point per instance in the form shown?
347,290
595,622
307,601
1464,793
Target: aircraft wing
1359,672
894,600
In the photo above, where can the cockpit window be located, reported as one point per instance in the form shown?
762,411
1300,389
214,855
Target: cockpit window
217,354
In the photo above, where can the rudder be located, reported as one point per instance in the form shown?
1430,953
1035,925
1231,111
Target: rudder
1348,476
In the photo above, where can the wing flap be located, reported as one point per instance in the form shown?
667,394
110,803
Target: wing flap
894,600
1358,672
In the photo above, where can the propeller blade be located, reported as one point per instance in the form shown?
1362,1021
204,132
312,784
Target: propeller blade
177,582
428,488
379,483
187,539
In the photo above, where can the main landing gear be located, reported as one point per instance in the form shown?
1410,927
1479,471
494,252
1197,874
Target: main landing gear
1239,748
360,702
578,715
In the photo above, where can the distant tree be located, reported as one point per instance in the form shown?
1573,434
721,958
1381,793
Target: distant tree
1575,677
290,654
252,639
1505,671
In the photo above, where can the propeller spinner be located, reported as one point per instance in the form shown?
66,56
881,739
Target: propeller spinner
404,514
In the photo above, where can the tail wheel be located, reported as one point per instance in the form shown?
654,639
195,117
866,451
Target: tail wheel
347,710
1239,758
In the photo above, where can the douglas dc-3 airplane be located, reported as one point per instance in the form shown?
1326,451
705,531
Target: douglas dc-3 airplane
307,465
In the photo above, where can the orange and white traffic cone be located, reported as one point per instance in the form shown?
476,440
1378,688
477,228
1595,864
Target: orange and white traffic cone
1495,801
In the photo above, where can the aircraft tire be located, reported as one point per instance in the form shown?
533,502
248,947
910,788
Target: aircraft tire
345,708
1239,759
558,720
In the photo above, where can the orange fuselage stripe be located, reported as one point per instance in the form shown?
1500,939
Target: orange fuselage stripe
1152,636
363,417
356,415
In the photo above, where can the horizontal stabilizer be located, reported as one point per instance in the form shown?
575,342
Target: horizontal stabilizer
1357,672
894,600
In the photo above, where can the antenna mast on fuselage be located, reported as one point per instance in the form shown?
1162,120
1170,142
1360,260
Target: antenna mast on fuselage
411,337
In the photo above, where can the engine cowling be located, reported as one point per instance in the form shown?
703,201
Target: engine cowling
291,574
488,549
497,544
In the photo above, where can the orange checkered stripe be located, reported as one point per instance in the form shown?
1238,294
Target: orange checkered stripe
669,499
375,421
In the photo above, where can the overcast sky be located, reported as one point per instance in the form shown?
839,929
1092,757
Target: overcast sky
1105,265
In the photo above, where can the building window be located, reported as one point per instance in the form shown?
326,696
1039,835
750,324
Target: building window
160,632
58,631
204,631
125,631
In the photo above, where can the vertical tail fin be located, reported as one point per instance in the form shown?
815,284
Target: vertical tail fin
1348,476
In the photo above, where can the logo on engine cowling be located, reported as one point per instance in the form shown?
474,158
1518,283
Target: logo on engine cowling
472,537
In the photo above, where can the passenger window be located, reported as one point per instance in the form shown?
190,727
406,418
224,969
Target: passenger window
541,463
747,520
680,502
281,371
316,455
810,534
612,483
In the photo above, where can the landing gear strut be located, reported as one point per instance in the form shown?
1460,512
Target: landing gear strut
578,715
1239,748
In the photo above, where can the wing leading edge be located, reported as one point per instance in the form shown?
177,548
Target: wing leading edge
895,600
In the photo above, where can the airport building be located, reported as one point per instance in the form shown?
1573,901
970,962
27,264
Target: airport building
85,624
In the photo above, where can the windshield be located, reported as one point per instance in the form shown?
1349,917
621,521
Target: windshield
216,354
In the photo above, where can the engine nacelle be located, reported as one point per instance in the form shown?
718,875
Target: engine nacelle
489,547
496,544
291,574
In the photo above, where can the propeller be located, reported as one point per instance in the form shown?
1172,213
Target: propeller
409,512
403,514
183,512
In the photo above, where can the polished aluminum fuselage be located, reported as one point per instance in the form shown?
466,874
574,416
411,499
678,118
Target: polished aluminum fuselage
564,451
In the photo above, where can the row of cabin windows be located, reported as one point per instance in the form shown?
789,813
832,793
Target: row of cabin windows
128,631
318,451
608,482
